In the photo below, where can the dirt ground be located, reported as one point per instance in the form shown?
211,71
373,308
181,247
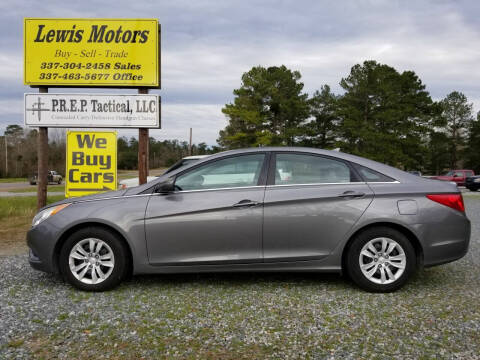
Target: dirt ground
13,236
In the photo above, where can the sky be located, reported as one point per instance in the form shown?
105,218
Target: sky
208,45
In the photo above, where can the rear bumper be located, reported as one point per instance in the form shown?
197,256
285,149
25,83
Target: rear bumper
445,249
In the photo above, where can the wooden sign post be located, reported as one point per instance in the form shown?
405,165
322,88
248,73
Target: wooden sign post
143,140
42,170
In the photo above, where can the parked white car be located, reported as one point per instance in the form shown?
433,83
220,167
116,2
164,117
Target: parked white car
182,162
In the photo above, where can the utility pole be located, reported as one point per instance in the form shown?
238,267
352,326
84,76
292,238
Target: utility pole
190,144
6,155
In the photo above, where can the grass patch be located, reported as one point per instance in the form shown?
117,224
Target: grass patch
12,180
16,215
33,188
22,206
15,343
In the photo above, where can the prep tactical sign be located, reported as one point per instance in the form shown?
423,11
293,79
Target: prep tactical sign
92,110
91,162
91,52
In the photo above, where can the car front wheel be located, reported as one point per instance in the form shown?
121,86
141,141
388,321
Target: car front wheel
381,259
93,259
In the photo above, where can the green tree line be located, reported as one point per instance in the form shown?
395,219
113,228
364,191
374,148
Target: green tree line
18,152
382,114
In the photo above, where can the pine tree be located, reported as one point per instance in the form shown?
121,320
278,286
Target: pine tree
321,131
457,116
472,151
268,109
385,115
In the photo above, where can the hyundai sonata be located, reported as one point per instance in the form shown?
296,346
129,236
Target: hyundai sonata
261,209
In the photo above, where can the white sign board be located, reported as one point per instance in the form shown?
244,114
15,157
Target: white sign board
92,110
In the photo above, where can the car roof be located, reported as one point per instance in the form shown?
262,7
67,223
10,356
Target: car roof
390,171
397,174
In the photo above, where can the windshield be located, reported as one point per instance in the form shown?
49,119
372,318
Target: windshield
450,173
188,161
181,163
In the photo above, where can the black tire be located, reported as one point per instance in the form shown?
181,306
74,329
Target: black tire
353,259
59,181
120,253
473,189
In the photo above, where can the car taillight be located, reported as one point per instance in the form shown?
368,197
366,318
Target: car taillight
455,201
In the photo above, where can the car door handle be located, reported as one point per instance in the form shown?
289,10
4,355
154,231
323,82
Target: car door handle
350,193
246,203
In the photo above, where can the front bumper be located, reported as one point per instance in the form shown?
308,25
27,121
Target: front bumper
41,240
36,263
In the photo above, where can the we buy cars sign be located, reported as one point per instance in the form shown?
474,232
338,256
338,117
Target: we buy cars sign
91,162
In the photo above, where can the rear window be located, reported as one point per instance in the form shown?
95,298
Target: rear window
299,169
370,175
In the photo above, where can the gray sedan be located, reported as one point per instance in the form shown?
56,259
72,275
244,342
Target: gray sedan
261,209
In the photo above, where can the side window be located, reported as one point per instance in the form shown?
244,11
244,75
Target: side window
459,173
310,169
371,175
231,172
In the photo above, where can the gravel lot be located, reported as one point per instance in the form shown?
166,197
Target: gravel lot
234,316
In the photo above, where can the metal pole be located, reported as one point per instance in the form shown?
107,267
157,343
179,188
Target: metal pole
42,146
190,143
6,156
142,150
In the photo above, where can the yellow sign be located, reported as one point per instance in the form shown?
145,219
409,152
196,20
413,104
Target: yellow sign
91,52
91,162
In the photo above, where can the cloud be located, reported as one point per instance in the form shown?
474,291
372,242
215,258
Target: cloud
208,45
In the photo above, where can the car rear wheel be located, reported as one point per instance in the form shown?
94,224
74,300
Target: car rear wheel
93,259
381,259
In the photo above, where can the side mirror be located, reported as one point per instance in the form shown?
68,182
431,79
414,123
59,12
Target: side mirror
165,188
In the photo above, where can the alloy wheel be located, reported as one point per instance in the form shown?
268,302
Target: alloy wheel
382,260
91,261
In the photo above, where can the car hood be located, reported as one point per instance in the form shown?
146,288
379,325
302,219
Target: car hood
105,195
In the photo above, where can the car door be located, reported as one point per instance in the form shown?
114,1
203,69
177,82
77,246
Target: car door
214,217
311,202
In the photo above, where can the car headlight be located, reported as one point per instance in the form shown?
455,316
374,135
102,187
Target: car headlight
477,180
45,214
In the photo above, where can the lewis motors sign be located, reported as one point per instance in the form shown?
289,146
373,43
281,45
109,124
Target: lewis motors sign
92,52
92,110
